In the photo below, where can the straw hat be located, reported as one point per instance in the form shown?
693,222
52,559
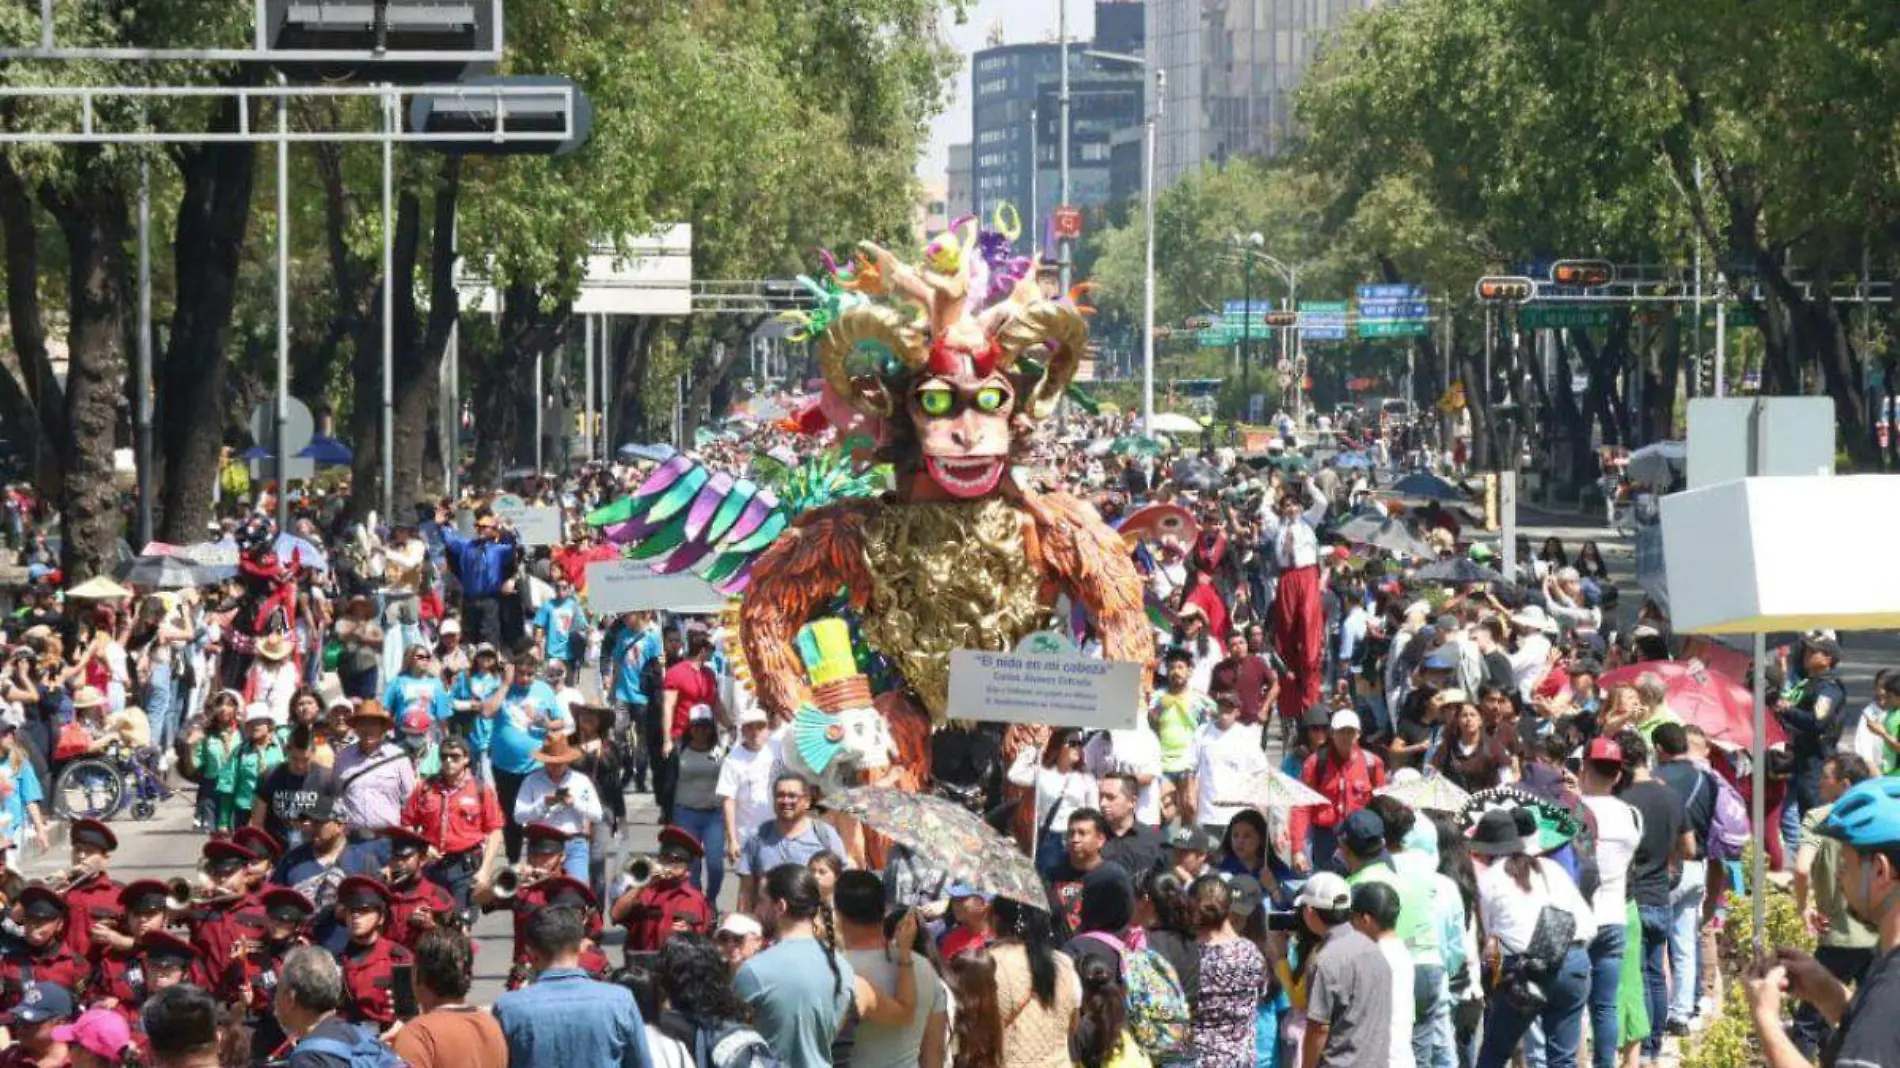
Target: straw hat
273,647
88,697
556,750
371,709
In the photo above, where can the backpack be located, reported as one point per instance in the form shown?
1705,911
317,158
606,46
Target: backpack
1728,829
368,1051
732,1045
1157,1009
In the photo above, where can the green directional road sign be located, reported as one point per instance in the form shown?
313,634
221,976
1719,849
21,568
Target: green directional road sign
1215,338
1323,307
1370,328
1738,315
1560,316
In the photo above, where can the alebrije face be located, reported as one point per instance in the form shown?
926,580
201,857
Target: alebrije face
962,420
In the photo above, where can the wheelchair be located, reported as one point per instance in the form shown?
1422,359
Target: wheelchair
102,785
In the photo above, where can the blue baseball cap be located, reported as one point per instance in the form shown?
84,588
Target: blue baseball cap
41,1002
1443,658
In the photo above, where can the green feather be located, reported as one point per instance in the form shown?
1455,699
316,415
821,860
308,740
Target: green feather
661,541
679,495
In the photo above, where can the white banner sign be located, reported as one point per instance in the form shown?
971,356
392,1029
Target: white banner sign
1063,690
535,524
615,586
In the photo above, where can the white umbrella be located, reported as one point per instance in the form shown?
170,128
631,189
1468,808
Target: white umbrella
1425,793
1658,464
1271,788
1174,423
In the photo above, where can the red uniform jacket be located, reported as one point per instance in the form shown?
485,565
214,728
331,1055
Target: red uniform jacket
94,900
650,921
215,929
1346,784
527,903
404,903
369,981
19,965
250,979
121,976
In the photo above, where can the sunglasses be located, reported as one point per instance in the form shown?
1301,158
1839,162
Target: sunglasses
453,755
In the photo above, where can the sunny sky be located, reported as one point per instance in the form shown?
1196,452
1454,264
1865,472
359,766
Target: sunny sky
1022,20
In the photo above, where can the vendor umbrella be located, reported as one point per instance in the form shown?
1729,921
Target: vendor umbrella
1658,464
290,546
1383,532
162,572
944,834
98,588
650,453
1198,476
1456,571
1136,445
1174,423
1695,693
1425,487
326,451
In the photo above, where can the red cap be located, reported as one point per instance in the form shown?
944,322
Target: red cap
166,945
218,850
1605,750
259,842
564,890
681,838
362,890
93,833
544,832
141,890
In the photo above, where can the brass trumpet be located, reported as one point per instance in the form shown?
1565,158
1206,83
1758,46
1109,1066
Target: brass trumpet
640,870
60,882
179,895
507,883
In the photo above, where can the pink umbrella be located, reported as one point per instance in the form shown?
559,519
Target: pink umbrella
1698,694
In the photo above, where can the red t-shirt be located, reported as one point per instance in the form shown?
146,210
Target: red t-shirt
695,685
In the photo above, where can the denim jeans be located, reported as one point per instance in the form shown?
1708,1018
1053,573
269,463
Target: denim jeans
1566,994
1656,925
1431,1018
1685,941
1606,968
576,854
1804,794
709,826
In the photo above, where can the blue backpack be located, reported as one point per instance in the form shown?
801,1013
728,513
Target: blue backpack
367,1052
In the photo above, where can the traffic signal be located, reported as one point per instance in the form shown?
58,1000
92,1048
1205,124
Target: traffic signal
1200,322
1586,273
1282,318
1505,289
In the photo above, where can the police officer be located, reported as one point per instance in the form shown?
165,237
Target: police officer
227,914
250,981
39,954
92,897
118,967
415,903
669,903
370,957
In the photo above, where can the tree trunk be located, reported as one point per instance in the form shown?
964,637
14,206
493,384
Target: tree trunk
419,358
207,249
632,354
35,402
95,223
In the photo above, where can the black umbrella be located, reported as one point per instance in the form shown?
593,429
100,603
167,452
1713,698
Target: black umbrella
1199,477
1457,571
1383,532
1426,487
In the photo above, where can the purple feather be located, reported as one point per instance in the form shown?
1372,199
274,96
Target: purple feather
665,475
750,520
706,505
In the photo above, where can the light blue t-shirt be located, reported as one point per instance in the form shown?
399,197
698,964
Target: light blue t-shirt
631,652
409,692
473,687
797,999
561,619
519,726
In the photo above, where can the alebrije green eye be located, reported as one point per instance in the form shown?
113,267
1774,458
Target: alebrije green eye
935,401
989,399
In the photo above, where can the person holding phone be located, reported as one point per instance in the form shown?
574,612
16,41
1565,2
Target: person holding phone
371,957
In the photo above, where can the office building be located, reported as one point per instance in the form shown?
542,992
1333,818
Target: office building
1233,67
960,194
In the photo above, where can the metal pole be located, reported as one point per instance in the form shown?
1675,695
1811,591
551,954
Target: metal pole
1721,344
451,409
143,408
587,407
540,407
1697,363
1757,463
282,444
1148,277
1246,316
389,319
1035,166
606,387
1299,344
1062,97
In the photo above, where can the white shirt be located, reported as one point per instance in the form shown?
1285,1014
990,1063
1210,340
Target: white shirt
1226,762
1066,791
1392,948
1619,829
536,804
1294,542
746,776
1866,743
1134,752
1530,662
1510,914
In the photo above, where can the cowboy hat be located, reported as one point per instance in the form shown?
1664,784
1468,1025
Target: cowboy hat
556,750
88,697
273,647
371,708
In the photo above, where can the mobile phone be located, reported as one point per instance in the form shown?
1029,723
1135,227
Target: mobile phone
1283,921
404,990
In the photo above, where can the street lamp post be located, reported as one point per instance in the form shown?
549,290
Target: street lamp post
1248,247
1150,135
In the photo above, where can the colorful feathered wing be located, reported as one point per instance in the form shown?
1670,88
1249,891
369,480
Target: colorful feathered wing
686,516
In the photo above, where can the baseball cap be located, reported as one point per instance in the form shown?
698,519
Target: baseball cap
1325,891
450,627
40,1002
1443,658
1318,716
1364,833
1604,749
752,714
738,923
100,1032
700,714
1190,838
1345,720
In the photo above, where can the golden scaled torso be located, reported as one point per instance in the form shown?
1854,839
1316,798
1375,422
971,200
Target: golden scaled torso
945,576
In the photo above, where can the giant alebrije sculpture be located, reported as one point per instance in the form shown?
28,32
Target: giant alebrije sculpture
952,364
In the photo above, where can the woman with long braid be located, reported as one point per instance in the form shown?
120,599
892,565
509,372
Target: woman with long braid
798,1004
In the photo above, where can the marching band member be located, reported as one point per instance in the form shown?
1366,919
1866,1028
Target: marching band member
250,980
92,897
668,903
415,903
39,953
370,957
